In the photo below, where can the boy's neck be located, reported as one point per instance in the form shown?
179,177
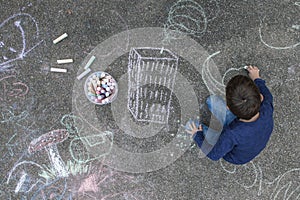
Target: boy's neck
254,118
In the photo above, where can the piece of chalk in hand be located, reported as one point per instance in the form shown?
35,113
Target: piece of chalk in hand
245,67
64,61
84,74
90,62
53,69
162,50
60,38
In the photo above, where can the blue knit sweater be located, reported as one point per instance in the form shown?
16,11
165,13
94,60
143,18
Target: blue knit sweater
240,142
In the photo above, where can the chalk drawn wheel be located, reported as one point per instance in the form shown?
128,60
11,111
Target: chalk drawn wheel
106,53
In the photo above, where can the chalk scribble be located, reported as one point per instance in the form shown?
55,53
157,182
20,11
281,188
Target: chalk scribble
17,45
189,17
285,187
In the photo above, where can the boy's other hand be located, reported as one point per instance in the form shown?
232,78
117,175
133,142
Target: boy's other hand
253,72
193,129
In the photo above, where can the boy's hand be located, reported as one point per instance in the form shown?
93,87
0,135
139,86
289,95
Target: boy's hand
253,72
193,128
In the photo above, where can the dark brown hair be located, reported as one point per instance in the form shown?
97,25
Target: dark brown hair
243,97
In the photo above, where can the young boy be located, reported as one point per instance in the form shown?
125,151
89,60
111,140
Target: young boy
247,121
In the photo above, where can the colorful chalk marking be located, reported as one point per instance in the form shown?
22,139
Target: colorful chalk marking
101,88
47,140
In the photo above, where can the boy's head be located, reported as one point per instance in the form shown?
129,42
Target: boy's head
243,97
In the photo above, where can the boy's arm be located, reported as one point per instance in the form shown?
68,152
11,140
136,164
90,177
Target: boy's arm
223,146
261,84
254,75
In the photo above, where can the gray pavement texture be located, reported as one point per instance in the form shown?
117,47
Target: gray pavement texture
109,154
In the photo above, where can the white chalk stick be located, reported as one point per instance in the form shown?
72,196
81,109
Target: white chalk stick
64,61
297,27
90,62
162,50
60,38
53,69
84,74
245,67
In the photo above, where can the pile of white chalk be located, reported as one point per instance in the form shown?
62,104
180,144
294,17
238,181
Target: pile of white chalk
61,61
86,68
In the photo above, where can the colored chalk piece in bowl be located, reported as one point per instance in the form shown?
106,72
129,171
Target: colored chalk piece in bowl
100,88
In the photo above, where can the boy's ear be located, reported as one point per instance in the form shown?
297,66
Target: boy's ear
261,97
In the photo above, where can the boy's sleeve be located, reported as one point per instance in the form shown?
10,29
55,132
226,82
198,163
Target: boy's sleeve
261,84
223,146
199,138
